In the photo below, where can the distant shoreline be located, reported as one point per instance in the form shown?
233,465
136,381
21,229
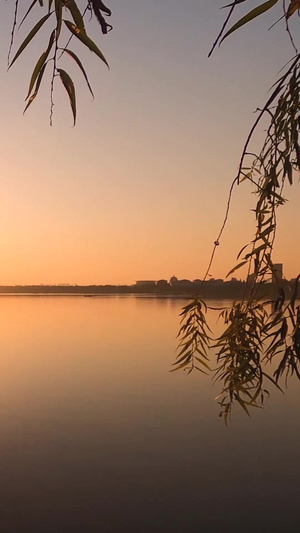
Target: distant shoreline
98,295
212,289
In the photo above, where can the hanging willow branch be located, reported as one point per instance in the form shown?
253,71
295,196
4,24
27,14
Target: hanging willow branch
257,331
68,22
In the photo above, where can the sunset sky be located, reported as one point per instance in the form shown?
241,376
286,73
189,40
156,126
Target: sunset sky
138,189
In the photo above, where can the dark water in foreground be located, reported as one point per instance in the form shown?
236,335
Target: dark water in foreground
98,436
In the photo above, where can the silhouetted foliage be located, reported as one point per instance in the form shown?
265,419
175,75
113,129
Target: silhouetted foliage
68,19
257,331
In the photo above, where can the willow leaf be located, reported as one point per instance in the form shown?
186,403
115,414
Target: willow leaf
69,86
58,11
84,38
29,37
40,64
234,3
266,231
78,62
256,251
35,73
180,366
294,5
27,12
203,363
241,251
250,16
236,268
37,86
187,355
242,404
273,381
77,17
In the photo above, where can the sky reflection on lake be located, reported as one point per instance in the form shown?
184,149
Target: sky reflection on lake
98,435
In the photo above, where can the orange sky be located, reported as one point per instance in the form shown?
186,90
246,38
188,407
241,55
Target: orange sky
137,190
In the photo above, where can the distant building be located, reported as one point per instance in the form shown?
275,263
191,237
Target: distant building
141,282
277,272
173,281
162,284
184,283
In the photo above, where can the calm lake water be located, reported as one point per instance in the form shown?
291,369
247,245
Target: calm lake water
98,436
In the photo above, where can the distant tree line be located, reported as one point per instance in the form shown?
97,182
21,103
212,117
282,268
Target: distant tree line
214,288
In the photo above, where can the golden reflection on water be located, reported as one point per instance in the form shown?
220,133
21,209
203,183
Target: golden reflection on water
56,348
71,347
95,429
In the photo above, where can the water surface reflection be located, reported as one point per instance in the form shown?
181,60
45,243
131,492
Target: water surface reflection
97,435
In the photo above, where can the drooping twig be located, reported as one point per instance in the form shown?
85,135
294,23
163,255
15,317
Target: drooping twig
13,31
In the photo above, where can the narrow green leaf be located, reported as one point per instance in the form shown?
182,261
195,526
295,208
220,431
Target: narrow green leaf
246,176
40,63
203,363
236,268
241,251
180,366
35,73
69,86
256,250
273,381
83,37
233,3
58,11
77,17
197,368
36,90
293,7
187,356
27,12
255,404
250,16
242,404
30,37
185,347
280,198
188,307
78,62
266,231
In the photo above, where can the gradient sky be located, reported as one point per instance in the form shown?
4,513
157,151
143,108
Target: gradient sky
137,190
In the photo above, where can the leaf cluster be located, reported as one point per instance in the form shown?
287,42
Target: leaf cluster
239,357
292,8
257,332
67,14
194,338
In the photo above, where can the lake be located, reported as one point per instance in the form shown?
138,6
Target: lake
98,436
